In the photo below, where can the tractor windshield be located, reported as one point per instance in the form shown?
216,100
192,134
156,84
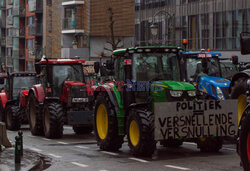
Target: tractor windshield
156,66
228,69
63,73
195,69
22,83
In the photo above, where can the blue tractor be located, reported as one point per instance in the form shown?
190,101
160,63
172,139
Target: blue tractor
204,70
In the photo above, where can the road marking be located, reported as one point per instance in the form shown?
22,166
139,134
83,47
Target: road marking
139,160
110,153
60,142
103,170
83,147
230,149
66,127
190,143
31,136
56,156
177,167
34,149
46,139
79,164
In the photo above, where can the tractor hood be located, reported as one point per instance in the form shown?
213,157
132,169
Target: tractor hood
215,81
73,83
25,92
174,85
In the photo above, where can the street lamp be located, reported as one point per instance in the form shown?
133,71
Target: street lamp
154,28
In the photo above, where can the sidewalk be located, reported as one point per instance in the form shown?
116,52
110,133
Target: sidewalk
29,161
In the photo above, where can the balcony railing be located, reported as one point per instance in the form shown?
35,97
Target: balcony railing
18,32
10,19
10,2
18,54
36,29
3,41
72,24
9,41
36,6
19,11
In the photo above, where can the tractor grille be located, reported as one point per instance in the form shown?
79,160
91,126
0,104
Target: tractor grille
225,91
78,91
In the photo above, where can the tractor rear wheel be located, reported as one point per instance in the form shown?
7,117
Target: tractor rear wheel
211,144
171,143
244,140
106,125
12,117
238,91
140,131
82,129
34,116
53,120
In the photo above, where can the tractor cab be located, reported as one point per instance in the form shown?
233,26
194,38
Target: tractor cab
203,69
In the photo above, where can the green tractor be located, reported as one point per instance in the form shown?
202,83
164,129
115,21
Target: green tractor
146,81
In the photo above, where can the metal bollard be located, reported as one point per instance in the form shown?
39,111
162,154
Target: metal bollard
20,133
17,150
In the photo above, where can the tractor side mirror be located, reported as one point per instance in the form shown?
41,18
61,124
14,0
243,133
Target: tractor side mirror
1,80
38,68
245,43
235,60
110,64
97,67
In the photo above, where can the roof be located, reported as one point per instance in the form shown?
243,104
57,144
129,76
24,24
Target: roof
121,51
62,61
23,74
197,53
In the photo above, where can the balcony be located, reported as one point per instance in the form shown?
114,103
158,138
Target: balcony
19,11
3,41
10,2
36,6
70,25
18,32
9,41
18,54
10,20
72,2
2,4
36,53
36,29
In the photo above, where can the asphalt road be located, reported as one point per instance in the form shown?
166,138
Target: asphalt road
74,152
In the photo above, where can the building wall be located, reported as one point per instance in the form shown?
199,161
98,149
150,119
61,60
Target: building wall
53,29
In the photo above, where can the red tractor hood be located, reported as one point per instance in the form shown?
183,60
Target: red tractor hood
73,83
25,92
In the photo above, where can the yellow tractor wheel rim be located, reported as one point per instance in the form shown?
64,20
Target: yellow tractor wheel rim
242,103
134,133
102,121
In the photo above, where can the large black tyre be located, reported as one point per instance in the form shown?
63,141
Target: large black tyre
106,125
171,143
53,120
140,131
12,117
211,144
2,119
82,129
34,116
244,140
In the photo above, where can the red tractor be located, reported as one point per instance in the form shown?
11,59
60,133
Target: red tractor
13,98
63,97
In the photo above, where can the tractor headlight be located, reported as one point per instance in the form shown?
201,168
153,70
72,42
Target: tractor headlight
192,93
176,93
220,94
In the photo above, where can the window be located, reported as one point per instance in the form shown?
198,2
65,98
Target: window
9,51
31,20
9,32
9,12
69,12
30,43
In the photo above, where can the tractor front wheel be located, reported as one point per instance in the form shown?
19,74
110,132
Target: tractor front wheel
53,120
244,140
12,117
210,144
82,129
140,131
34,116
106,125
